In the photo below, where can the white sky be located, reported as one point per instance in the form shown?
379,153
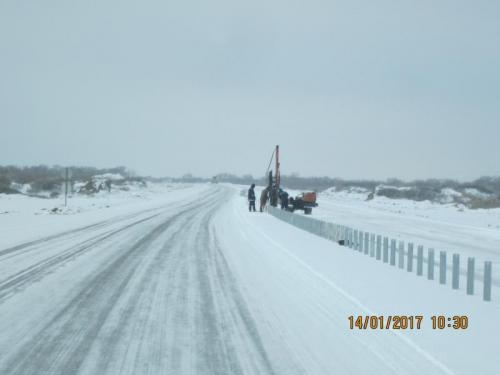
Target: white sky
353,89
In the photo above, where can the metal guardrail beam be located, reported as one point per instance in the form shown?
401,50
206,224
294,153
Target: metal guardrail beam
377,246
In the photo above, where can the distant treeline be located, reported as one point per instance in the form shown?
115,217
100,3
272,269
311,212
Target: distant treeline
488,185
481,193
48,177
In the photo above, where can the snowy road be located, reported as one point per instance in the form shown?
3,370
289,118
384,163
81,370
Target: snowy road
199,286
144,294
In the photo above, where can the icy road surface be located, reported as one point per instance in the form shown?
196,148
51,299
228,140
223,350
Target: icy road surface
197,285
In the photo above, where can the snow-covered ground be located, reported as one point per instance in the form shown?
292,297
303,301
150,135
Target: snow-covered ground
184,280
24,218
469,232
309,286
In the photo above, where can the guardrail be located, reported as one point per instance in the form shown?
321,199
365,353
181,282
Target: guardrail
384,249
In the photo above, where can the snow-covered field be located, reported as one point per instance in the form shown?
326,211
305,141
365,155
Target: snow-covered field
183,279
23,218
469,232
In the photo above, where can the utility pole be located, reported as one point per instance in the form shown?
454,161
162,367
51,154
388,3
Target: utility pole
66,174
66,177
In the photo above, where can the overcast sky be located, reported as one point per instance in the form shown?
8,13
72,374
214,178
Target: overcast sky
352,89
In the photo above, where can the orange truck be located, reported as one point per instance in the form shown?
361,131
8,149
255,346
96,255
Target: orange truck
304,201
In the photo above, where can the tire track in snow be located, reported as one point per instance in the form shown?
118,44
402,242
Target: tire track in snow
66,235
35,272
38,270
166,303
62,344
215,280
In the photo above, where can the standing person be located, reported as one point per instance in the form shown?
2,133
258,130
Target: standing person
264,196
284,199
251,198
273,196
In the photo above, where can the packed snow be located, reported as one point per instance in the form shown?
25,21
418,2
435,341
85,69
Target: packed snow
182,279
450,227
24,218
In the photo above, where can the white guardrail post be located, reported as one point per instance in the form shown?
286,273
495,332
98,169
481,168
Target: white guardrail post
442,267
385,258
487,281
401,255
409,264
378,255
372,245
470,276
455,271
420,260
393,252
430,264
367,243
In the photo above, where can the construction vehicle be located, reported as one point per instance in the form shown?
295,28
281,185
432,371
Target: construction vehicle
304,201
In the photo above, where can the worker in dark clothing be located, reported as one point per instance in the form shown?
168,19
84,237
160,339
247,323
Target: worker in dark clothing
273,196
284,199
251,198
